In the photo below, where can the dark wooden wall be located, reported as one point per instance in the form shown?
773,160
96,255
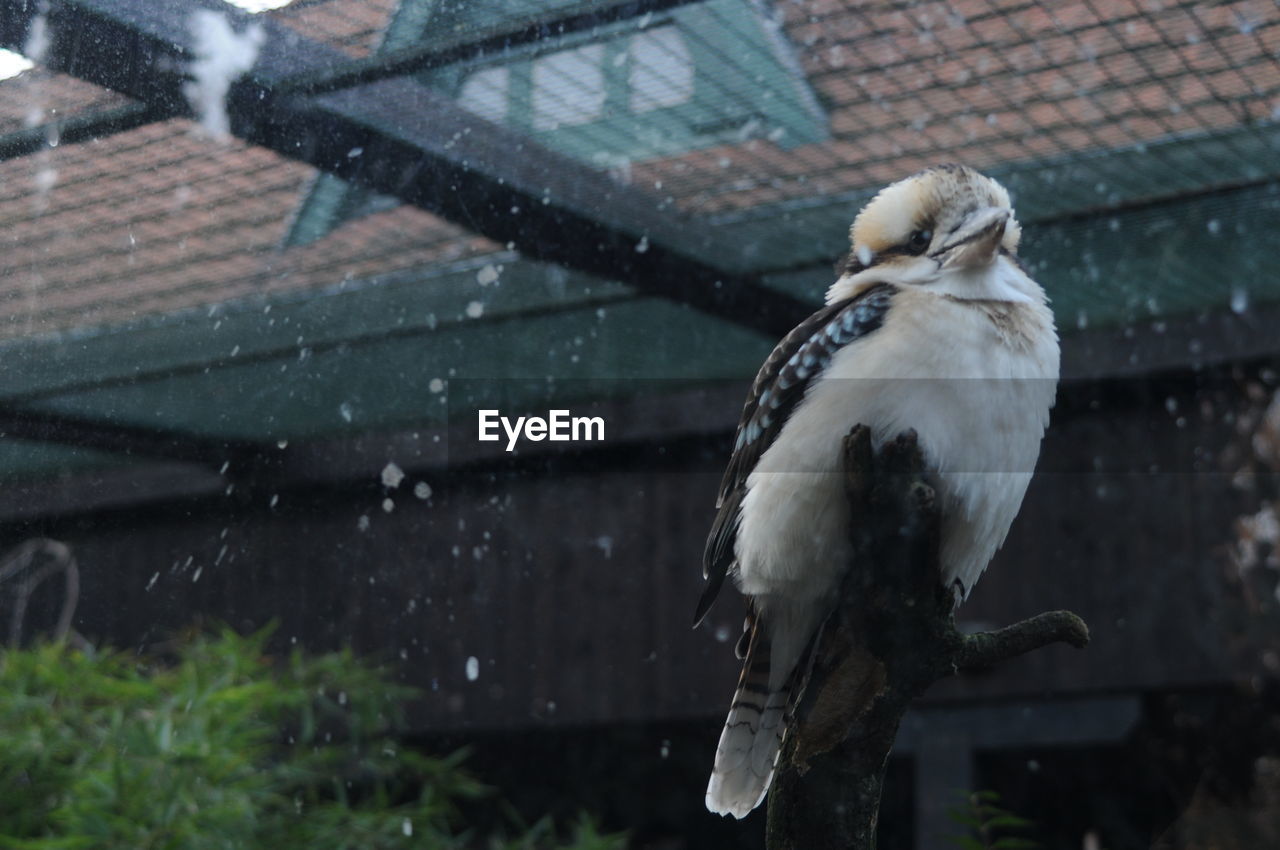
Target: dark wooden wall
574,588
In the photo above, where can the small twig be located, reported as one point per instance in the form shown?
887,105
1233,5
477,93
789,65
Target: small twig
986,649
21,558
891,636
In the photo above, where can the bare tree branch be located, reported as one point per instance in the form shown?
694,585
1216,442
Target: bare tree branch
891,636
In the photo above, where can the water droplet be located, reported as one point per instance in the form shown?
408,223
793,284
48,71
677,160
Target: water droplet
392,475
1239,300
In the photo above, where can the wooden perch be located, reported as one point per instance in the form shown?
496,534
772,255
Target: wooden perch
891,636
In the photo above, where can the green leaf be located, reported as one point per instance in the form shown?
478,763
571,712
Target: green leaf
221,746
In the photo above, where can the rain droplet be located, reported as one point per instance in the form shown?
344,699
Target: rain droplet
1239,300
422,490
473,669
392,475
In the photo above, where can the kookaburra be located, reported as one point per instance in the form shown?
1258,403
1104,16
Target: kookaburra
933,325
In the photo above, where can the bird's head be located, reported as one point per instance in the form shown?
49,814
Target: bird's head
946,228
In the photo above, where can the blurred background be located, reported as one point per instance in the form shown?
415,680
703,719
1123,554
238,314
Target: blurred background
260,267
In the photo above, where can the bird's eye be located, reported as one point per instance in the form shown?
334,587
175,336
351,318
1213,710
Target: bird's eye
918,241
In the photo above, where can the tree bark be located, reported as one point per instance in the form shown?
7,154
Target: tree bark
890,637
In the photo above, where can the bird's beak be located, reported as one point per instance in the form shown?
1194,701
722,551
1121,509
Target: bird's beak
975,242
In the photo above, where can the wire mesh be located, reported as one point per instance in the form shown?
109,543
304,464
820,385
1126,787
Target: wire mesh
1081,107
1006,85
1022,88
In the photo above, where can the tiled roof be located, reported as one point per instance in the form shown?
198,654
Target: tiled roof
162,218
38,96
990,82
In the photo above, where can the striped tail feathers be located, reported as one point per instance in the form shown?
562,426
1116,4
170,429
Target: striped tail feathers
777,652
753,733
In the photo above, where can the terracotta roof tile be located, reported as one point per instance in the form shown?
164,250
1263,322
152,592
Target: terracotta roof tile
161,218
354,27
992,82
39,96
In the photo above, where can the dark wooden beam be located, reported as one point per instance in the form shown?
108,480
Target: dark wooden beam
126,439
648,428
641,432
80,128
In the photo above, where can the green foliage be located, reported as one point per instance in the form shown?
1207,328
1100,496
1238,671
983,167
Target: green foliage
989,824
224,748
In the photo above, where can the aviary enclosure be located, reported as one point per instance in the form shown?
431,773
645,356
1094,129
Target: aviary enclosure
262,268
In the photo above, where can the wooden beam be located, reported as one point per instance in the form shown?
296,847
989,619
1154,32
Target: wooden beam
130,440
80,128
